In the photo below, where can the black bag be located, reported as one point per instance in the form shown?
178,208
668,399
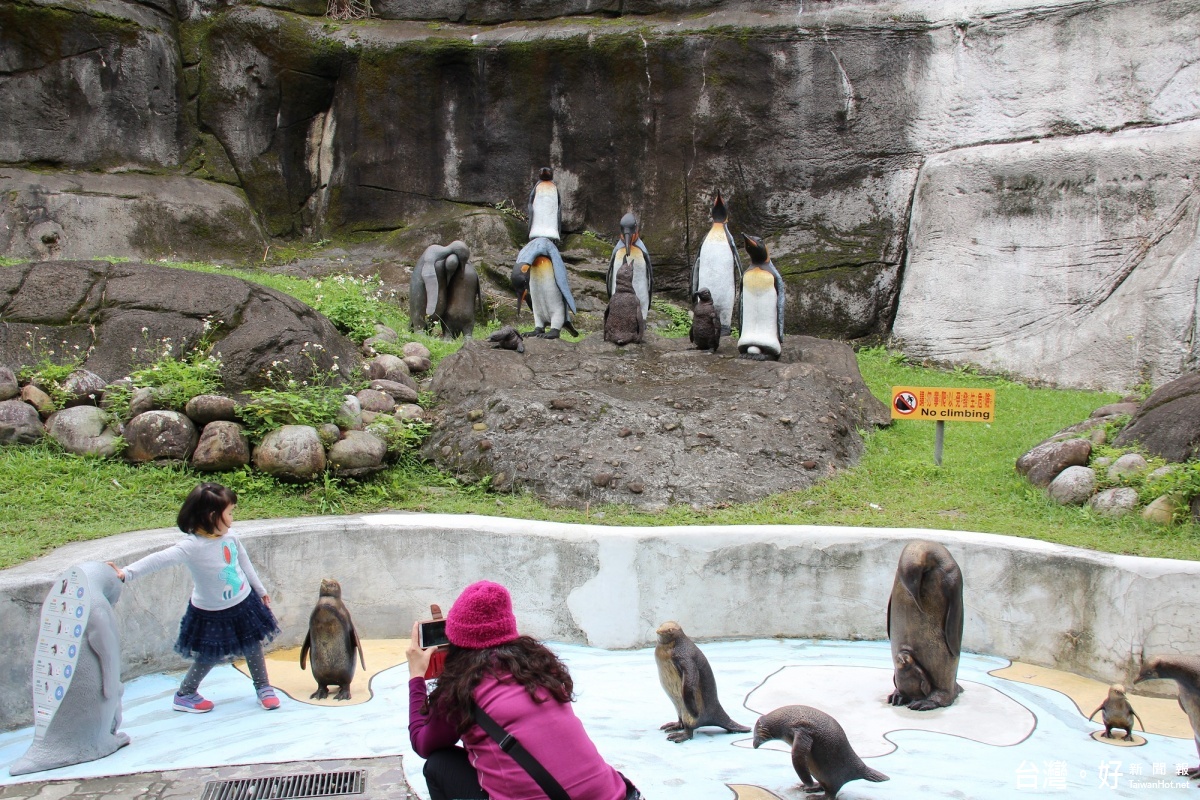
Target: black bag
544,779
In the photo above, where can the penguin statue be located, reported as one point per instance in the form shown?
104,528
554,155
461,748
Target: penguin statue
445,289
705,333
632,247
623,320
545,208
761,326
540,278
718,267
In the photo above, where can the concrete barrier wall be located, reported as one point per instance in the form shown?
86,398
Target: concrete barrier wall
1090,613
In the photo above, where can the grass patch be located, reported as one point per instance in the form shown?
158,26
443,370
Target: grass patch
52,498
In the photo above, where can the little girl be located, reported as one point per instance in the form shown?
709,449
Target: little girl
229,613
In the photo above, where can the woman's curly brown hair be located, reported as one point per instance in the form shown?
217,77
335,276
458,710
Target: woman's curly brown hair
524,660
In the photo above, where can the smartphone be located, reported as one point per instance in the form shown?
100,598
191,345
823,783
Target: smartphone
432,633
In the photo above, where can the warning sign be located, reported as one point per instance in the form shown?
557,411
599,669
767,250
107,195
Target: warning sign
943,404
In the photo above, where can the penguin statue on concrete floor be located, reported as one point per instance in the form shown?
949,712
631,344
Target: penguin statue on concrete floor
761,327
445,289
632,247
718,267
925,626
706,323
623,320
540,278
332,640
77,689
821,753
545,208
688,680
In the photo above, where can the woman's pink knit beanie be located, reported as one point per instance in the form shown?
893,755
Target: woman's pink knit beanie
482,616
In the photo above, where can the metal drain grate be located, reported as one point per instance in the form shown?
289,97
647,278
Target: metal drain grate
286,787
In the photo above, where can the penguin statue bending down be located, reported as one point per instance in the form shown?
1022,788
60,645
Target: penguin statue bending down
623,320
718,267
445,289
761,327
545,208
706,323
540,278
821,753
688,680
507,338
633,248
925,625
332,640
1185,671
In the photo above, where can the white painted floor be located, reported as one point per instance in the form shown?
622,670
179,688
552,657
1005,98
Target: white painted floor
999,741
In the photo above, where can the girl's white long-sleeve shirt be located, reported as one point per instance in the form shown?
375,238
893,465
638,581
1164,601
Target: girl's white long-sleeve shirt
222,574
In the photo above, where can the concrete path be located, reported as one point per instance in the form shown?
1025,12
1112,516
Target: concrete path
1003,739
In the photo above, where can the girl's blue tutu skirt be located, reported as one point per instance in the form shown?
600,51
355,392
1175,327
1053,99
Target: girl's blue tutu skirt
225,635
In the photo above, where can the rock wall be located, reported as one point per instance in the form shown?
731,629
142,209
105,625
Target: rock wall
816,120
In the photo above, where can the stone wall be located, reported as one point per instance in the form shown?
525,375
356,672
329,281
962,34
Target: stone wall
1091,613
817,120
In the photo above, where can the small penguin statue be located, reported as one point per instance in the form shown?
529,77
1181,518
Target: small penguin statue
1118,713
632,247
507,338
623,320
688,680
706,323
761,329
332,641
821,753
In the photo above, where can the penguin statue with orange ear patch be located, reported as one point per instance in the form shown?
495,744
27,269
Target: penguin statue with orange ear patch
540,278
761,327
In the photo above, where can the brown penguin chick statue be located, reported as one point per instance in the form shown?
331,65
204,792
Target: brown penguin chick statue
507,338
706,323
623,320
1185,671
1117,713
821,753
688,680
925,618
332,640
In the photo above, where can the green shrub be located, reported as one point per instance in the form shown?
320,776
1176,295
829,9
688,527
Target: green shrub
298,403
178,381
401,436
681,319
48,376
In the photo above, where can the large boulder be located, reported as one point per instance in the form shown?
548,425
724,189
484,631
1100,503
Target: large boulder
222,447
1168,423
1043,463
116,312
357,453
160,436
1073,486
19,423
291,453
84,431
650,424
77,215
83,387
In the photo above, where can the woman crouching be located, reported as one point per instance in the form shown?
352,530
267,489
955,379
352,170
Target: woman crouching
514,686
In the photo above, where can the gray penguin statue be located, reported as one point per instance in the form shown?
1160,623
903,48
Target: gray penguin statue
77,673
925,626
623,320
821,753
631,248
718,267
445,289
1185,671
688,680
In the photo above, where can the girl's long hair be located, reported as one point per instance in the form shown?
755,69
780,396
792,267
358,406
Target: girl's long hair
524,660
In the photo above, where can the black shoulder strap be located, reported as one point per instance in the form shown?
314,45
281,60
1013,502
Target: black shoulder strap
510,745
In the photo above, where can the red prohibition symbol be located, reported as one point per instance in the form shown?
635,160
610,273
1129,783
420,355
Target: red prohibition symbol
905,402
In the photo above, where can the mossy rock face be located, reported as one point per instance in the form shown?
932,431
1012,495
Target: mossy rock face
90,90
